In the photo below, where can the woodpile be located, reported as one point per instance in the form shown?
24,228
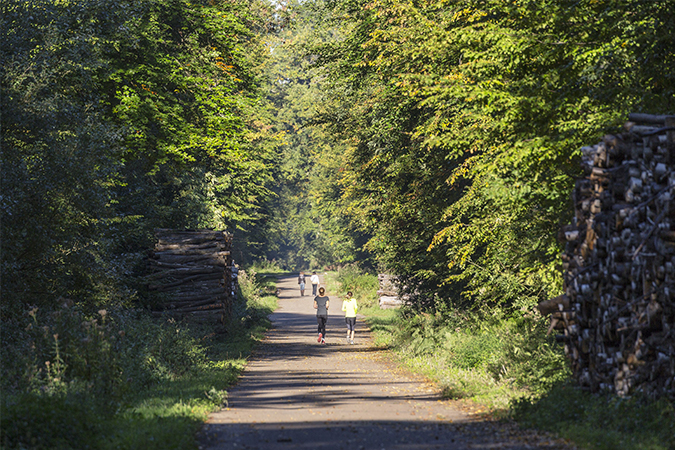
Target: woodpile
617,314
193,274
388,293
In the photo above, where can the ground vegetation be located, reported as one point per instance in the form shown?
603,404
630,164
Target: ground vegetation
508,370
118,117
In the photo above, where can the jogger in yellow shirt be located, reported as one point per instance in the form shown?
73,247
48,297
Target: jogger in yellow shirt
350,307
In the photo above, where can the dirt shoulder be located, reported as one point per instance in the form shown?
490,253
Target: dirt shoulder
297,393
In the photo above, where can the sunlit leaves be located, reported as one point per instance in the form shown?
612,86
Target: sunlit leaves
185,92
119,116
465,119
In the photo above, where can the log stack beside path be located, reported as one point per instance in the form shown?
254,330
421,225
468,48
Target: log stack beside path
388,292
617,314
193,274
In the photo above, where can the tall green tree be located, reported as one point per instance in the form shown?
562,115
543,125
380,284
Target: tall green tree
465,120
59,153
306,227
118,117
186,91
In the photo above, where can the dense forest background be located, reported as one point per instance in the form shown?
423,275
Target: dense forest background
439,140
119,117
435,140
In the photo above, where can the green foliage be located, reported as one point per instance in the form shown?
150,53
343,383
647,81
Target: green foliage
463,122
306,227
118,117
363,285
58,152
50,421
121,379
266,266
110,353
185,94
513,352
441,137
490,362
601,422
170,351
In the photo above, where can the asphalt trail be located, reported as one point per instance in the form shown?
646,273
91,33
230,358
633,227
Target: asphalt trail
298,394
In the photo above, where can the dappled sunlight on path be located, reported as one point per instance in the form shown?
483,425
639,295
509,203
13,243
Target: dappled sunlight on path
297,393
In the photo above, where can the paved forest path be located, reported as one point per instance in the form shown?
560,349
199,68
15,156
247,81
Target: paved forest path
298,394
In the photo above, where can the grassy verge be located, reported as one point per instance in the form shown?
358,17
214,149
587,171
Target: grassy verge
601,422
153,391
508,367
490,362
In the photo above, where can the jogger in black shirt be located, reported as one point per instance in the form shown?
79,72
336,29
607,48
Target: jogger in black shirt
321,303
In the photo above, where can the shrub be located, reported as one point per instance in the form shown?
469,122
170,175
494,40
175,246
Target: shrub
471,355
120,378
601,421
76,371
266,266
50,421
363,285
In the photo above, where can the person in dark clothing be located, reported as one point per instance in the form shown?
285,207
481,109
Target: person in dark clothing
321,303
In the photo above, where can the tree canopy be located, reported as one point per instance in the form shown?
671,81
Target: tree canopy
437,140
118,117
462,123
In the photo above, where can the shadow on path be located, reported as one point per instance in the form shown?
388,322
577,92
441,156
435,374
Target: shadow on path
297,394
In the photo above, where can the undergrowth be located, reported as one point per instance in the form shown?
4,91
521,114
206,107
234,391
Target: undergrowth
601,421
352,278
121,379
491,360
510,366
265,266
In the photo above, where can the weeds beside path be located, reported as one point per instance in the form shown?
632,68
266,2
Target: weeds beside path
152,389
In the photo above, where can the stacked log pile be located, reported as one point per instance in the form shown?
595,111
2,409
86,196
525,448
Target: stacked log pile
387,293
193,273
618,311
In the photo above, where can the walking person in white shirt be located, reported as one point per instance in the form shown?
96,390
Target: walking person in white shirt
315,282
301,282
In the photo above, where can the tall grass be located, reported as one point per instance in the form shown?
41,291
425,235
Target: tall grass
510,366
265,266
120,379
491,361
601,421
352,278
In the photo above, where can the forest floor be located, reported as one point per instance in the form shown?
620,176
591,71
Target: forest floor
296,393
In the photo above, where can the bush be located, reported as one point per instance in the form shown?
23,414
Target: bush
494,358
266,266
363,285
601,421
52,349
115,379
53,421
159,350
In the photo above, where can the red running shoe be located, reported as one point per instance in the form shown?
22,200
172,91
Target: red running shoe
319,339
